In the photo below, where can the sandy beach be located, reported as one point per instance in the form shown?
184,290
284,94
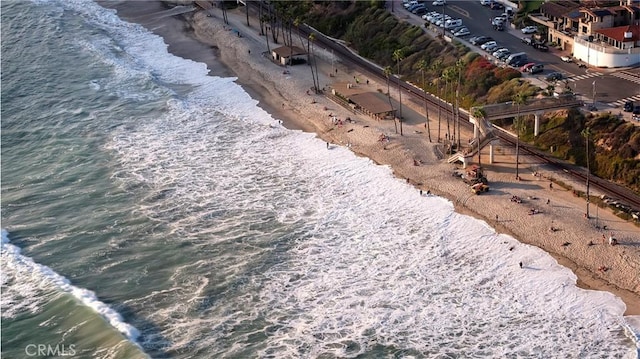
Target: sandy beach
576,243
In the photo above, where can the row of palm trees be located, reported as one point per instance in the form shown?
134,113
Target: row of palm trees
280,15
450,75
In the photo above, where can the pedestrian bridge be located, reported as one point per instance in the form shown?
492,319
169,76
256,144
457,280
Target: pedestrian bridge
530,107
534,107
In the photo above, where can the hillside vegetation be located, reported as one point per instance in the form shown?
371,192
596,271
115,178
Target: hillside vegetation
441,67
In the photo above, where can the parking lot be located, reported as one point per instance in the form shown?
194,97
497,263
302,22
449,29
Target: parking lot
610,88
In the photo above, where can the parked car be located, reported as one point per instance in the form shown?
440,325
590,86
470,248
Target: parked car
410,4
486,2
480,40
413,7
439,3
499,51
628,106
462,32
487,44
536,68
497,21
566,58
496,6
420,11
529,29
515,62
554,76
518,59
491,48
452,23
499,27
430,16
527,41
504,55
527,66
636,110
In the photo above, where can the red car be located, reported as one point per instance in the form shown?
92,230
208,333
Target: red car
526,67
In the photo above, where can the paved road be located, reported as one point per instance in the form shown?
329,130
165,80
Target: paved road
613,87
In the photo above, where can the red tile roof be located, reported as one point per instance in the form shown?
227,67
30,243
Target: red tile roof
617,33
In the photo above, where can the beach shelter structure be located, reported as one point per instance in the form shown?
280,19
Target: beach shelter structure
289,55
373,105
362,99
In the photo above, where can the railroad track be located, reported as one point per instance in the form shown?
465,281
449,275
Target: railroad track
612,190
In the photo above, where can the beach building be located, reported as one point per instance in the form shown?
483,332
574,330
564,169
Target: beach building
362,99
289,55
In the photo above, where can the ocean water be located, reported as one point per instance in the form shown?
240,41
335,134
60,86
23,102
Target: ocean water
152,210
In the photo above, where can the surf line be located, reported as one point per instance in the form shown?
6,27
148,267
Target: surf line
85,296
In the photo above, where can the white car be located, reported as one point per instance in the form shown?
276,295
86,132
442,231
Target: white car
410,4
566,58
438,3
443,20
492,48
487,44
462,32
433,17
428,16
500,51
452,23
485,2
529,30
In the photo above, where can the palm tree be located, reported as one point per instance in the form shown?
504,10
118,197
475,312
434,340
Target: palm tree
314,64
437,67
586,133
264,20
480,114
387,73
449,75
422,65
397,57
518,99
246,11
459,67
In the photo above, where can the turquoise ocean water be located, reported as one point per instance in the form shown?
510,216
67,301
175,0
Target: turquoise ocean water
151,210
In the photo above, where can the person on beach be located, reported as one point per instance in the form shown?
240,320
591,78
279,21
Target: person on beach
327,145
520,265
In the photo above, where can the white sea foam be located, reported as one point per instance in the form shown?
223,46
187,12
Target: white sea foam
33,276
632,326
375,263
360,260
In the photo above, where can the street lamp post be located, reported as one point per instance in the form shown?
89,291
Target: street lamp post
443,5
594,93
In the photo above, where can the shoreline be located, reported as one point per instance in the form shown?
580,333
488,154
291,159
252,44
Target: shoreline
283,97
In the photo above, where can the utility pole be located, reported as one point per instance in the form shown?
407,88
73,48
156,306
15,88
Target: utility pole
587,133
